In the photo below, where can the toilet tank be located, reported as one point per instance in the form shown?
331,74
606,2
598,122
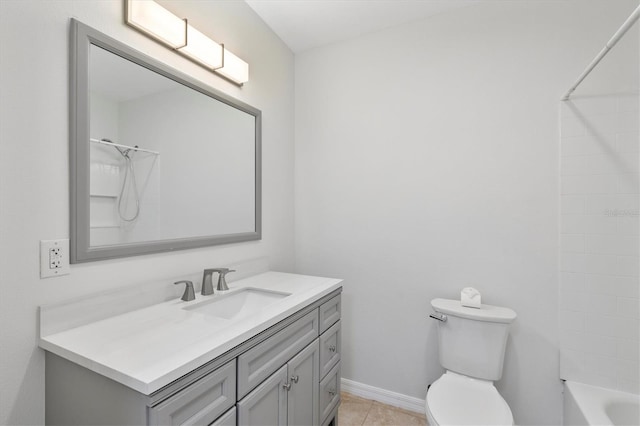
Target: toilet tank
472,341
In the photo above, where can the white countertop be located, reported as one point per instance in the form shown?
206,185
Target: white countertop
148,348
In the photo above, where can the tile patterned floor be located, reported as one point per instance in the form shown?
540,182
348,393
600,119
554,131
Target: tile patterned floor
356,411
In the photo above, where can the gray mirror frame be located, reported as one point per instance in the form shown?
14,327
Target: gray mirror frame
82,36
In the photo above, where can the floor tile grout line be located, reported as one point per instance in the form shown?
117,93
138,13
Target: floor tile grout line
367,415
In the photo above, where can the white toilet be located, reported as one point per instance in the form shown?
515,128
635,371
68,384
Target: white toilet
472,344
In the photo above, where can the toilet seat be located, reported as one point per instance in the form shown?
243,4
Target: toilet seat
455,399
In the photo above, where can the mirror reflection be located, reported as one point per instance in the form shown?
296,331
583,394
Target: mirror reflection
166,161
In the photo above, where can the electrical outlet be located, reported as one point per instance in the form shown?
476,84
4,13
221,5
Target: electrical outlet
54,258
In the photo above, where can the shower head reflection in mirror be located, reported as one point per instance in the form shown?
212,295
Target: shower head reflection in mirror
129,185
121,176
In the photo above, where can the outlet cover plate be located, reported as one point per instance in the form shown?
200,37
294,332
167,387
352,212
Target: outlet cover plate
54,258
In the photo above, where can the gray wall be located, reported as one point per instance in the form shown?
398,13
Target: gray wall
34,193
427,161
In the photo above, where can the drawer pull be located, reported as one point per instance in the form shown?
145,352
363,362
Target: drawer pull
295,379
287,386
332,348
331,391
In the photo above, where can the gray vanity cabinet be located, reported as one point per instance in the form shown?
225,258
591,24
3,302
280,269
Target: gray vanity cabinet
287,375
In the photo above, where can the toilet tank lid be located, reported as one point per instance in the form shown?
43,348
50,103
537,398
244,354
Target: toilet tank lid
487,313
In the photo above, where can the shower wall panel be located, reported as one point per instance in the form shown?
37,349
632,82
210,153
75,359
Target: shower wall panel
599,249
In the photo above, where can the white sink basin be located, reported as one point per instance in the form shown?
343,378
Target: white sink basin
239,304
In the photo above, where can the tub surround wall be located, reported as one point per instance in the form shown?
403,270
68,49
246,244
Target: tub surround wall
599,287
34,167
433,167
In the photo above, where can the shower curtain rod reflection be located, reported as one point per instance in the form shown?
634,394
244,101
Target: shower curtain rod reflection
616,37
133,148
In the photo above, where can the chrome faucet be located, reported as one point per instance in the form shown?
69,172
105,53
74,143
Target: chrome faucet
207,280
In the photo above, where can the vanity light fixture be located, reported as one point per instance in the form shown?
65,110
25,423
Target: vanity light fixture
158,23
204,50
234,68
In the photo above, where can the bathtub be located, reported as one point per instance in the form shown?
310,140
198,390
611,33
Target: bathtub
592,405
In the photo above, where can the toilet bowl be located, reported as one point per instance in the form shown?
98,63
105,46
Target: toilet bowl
471,348
455,399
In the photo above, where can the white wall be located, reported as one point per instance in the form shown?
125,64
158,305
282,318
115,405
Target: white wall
34,195
599,287
427,161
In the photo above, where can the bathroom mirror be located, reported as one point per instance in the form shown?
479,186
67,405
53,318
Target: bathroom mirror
159,161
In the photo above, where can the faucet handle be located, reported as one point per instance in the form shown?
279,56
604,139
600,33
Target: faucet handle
222,282
189,294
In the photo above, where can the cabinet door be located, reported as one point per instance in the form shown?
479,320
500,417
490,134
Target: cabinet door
303,400
266,405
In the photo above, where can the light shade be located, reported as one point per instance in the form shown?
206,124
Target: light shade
155,20
160,24
234,68
202,49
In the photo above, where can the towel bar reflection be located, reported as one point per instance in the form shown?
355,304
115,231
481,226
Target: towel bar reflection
133,148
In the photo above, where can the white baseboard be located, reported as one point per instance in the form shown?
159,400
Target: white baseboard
381,395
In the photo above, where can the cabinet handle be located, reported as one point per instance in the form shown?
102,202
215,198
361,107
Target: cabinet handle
295,379
331,391
332,348
287,386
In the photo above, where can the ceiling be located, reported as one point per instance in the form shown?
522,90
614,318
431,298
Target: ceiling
305,24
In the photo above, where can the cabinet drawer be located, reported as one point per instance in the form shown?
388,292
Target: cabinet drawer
330,348
262,360
330,313
227,419
200,403
329,392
